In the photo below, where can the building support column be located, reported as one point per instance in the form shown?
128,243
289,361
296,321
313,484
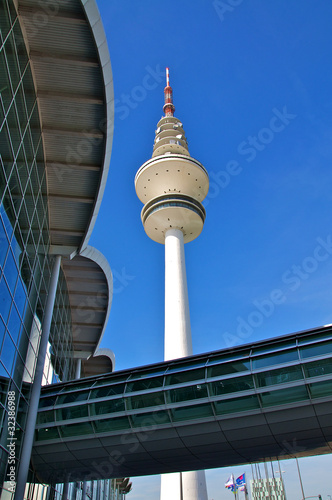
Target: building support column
84,490
65,491
78,369
36,385
78,376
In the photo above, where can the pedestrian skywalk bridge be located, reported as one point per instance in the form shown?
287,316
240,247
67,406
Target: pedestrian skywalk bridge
250,403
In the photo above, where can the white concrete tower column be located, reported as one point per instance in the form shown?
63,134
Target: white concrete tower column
172,186
178,342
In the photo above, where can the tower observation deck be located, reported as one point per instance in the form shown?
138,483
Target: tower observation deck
172,184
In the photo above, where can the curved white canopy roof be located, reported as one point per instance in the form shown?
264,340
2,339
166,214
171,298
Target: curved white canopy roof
72,72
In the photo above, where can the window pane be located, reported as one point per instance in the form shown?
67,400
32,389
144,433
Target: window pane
316,350
275,347
72,397
44,417
78,386
142,385
321,389
280,376
10,271
231,385
183,377
109,406
327,333
191,412
5,300
228,357
72,412
145,400
150,419
103,392
318,368
43,434
14,324
4,243
147,374
48,401
236,405
187,393
111,424
179,367
76,429
228,368
8,353
275,359
284,396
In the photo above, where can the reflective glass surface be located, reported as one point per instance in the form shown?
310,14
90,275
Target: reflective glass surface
111,424
191,412
145,400
223,389
275,359
45,434
149,419
191,392
227,386
280,376
235,405
71,412
316,349
111,390
321,389
318,368
25,265
144,384
79,429
185,376
108,406
284,396
228,368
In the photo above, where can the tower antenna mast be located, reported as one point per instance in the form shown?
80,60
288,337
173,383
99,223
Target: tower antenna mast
168,92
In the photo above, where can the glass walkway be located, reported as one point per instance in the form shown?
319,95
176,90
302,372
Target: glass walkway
259,401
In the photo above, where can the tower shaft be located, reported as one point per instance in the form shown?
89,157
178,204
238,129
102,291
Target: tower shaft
172,186
178,342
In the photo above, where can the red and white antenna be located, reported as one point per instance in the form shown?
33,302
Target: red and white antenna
168,106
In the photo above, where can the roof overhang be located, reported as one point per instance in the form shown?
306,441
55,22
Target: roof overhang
72,72
90,287
70,63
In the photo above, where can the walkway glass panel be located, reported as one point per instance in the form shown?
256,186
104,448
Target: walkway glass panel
264,400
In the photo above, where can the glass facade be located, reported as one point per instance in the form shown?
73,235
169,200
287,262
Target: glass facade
25,265
277,374
272,488
25,269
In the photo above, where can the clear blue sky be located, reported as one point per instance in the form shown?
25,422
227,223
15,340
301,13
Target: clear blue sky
252,85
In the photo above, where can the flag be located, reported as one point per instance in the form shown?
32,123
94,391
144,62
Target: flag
230,484
241,480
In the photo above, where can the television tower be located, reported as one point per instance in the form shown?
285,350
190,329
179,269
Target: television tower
172,186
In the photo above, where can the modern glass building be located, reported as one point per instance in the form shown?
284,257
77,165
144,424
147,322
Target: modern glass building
56,127
272,488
